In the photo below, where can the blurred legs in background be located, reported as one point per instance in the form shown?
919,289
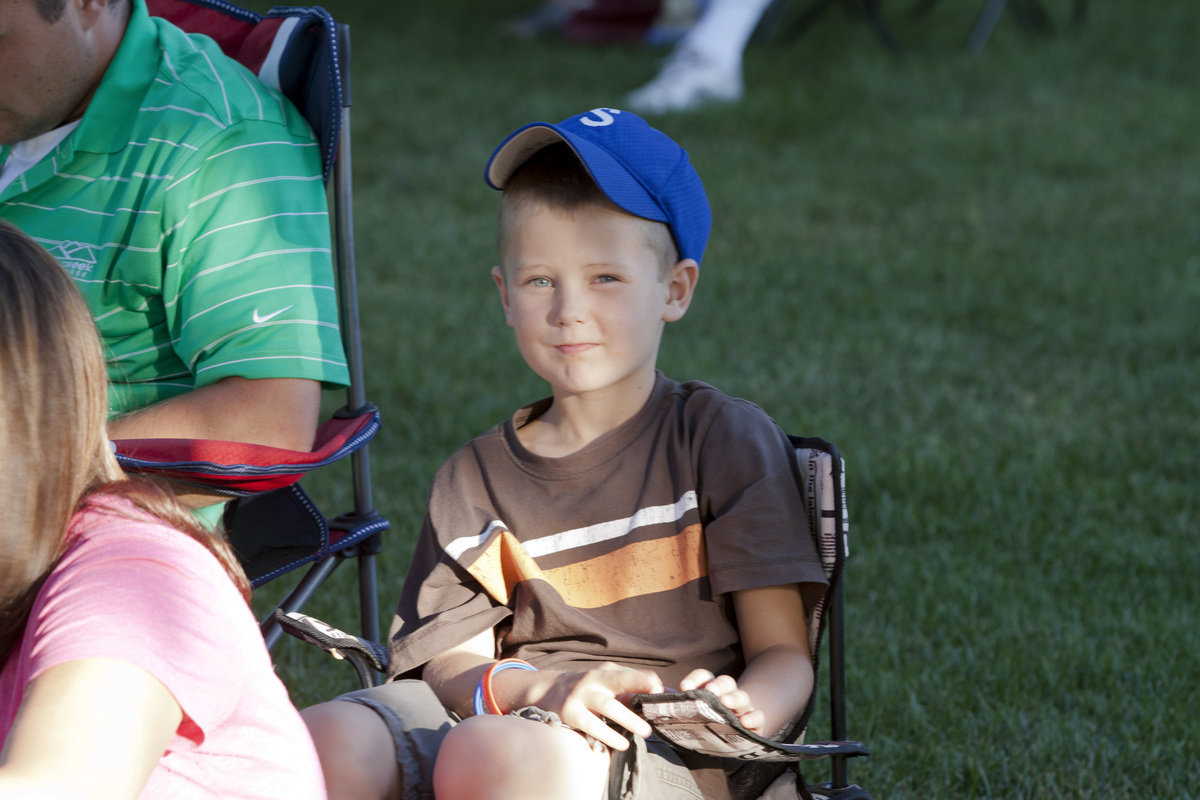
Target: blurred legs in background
706,65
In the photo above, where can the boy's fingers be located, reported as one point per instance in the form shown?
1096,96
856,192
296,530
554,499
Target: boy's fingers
736,700
695,679
620,714
722,685
595,723
599,730
752,720
636,680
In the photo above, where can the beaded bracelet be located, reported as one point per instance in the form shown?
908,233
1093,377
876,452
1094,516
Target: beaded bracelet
484,700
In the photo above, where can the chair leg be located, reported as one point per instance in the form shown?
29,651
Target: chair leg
985,24
1030,14
815,11
299,596
368,597
921,8
837,680
817,8
1078,12
870,8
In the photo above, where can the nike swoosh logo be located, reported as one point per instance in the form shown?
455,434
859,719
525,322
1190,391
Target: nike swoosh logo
261,318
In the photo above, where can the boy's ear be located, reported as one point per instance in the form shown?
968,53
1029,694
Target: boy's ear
498,277
681,285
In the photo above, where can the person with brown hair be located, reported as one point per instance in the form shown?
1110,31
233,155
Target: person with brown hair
131,663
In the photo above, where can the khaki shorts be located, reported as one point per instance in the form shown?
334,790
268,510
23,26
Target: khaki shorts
651,770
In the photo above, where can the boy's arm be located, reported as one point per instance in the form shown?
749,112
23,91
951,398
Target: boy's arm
454,674
584,700
774,634
778,678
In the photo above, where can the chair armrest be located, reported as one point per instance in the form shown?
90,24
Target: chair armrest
697,721
363,654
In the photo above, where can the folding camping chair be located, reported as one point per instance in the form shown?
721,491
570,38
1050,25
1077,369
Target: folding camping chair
273,526
1030,15
780,15
695,720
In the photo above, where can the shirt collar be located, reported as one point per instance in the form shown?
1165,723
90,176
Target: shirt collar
106,123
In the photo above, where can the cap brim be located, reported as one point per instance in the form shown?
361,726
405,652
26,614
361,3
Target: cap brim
613,177
517,149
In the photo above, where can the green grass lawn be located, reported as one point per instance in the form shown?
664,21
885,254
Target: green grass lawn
977,273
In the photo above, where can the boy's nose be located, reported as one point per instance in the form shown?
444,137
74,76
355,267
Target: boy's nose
569,308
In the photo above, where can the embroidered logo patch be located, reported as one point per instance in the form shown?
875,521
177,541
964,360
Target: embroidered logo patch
78,259
261,318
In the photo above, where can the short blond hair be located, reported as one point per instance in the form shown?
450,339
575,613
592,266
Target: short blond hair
555,178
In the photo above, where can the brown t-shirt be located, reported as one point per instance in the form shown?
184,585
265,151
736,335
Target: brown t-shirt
625,551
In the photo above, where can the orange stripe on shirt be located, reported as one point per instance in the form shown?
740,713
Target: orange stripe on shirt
635,569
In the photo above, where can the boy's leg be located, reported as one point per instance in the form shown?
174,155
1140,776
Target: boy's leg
652,770
356,751
504,757
509,756
380,742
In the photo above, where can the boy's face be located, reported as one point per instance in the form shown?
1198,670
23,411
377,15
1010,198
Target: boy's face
584,293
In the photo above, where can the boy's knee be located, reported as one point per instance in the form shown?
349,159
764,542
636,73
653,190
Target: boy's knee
355,748
485,757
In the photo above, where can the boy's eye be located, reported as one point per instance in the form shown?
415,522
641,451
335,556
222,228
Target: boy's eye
539,282
606,278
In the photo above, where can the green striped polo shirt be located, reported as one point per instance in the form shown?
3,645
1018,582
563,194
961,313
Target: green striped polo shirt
189,208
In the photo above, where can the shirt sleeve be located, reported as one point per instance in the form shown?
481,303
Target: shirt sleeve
249,284
752,507
442,605
145,594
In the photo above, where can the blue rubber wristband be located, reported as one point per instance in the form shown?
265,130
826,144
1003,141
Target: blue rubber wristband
480,700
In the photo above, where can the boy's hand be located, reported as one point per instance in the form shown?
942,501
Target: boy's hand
588,701
726,689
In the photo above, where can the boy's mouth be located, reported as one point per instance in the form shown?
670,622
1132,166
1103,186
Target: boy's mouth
574,348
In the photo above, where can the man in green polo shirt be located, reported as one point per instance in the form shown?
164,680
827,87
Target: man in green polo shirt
186,200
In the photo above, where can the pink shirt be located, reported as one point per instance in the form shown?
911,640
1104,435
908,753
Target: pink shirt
139,591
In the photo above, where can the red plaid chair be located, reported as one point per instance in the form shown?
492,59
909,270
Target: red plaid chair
273,525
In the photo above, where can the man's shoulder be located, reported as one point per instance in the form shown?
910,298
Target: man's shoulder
197,84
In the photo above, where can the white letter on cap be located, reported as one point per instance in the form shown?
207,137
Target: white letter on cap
604,114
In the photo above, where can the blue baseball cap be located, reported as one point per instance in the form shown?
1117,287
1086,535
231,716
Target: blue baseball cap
639,168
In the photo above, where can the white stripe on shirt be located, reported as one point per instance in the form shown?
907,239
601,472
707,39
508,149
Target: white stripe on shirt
582,537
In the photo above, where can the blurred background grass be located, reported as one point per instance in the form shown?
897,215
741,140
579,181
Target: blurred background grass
976,273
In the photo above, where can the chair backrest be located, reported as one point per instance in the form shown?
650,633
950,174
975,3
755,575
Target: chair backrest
304,54
694,720
822,481
294,49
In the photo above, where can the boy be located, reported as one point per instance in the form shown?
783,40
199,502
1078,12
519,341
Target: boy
626,534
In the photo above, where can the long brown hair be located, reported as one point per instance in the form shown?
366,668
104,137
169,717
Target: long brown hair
56,455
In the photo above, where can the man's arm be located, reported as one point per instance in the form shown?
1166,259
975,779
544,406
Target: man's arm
279,412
